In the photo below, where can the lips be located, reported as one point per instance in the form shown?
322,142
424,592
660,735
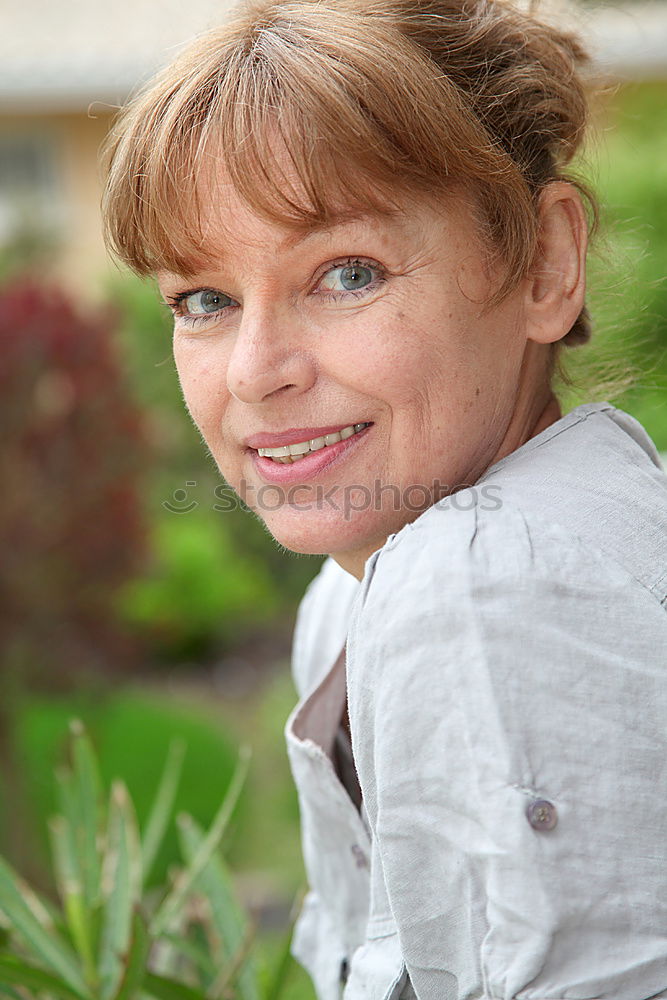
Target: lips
294,436
287,471
290,453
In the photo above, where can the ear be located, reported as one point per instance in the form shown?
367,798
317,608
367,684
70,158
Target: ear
556,285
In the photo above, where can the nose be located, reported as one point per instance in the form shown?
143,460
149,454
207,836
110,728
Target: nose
268,358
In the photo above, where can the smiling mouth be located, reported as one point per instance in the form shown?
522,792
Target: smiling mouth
290,453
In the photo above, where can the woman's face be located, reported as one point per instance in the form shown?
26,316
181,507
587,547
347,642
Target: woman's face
376,328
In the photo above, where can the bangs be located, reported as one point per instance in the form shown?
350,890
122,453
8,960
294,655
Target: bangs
302,117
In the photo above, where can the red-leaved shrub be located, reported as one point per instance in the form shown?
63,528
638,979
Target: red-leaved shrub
72,459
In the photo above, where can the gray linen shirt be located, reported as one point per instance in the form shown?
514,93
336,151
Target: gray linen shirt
506,658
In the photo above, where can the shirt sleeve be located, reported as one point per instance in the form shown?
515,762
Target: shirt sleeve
507,703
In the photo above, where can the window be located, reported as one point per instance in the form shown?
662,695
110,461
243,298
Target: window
30,201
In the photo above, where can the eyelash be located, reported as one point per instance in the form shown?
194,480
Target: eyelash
175,302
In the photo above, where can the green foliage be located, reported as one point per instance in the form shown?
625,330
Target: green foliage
204,589
627,164
111,936
133,731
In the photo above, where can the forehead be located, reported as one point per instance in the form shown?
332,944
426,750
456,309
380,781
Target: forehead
226,224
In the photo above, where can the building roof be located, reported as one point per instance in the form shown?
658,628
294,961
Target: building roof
69,54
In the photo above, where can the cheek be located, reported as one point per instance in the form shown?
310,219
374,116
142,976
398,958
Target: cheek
204,387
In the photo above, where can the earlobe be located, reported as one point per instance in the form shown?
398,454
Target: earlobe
556,285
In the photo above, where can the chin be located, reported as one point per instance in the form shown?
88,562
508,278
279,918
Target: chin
313,533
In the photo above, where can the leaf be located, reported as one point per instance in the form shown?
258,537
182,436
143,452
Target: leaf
162,806
135,964
161,988
46,944
15,973
69,808
227,916
88,791
121,886
239,971
170,907
68,878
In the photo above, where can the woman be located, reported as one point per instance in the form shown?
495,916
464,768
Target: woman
360,216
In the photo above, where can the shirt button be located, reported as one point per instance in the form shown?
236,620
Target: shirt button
542,815
359,856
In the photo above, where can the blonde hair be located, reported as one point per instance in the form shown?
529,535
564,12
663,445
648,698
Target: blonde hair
368,98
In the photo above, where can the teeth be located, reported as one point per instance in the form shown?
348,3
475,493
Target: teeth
299,449
289,453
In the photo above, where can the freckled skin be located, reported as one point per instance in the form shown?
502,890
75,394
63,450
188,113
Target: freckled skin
449,386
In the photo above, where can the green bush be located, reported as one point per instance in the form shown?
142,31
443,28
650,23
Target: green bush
204,591
627,164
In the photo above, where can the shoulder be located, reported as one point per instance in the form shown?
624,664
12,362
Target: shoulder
476,545
497,611
321,624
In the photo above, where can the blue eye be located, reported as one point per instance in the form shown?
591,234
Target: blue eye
355,276
350,277
203,302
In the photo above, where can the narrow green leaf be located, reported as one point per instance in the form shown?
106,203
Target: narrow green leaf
171,906
165,959
69,804
229,920
237,971
161,988
135,963
162,806
15,973
88,789
46,944
121,885
68,877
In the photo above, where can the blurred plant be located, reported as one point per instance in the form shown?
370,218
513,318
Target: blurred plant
111,938
71,527
203,591
626,162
